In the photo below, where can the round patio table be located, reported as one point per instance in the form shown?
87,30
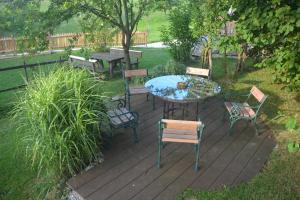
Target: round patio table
181,89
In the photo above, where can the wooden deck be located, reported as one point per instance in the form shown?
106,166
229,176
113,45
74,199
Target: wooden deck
129,170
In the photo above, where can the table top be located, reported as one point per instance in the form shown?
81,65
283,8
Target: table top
197,88
107,56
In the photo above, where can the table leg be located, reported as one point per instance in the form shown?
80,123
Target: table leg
164,110
172,109
111,68
101,65
197,111
183,111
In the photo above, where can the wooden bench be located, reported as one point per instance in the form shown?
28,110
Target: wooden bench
92,65
134,55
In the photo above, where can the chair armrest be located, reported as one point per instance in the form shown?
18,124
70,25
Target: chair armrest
116,103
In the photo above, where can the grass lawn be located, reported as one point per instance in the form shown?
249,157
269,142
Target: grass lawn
278,180
151,24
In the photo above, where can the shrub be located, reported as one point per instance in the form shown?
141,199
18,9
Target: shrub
172,67
58,118
179,34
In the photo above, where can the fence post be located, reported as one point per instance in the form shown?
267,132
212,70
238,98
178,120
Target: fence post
26,73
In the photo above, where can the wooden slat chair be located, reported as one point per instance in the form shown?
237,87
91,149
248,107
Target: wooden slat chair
238,111
93,66
135,90
135,56
181,132
121,117
198,72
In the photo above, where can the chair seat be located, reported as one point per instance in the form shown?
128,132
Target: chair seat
120,116
177,135
138,90
242,109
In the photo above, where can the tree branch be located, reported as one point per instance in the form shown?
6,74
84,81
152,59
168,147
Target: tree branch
102,15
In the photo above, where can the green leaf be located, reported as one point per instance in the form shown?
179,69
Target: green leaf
291,124
292,148
298,23
298,132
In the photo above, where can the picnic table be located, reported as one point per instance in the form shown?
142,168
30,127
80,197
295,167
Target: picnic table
112,59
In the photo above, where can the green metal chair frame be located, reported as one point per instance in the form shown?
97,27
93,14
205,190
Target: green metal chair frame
240,111
120,117
128,74
174,136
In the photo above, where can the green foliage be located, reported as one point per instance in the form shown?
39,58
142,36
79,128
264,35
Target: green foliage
69,49
58,123
179,34
291,125
208,18
85,52
272,28
98,32
277,181
172,67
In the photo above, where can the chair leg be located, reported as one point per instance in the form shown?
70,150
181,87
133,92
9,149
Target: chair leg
256,127
129,107
232,122
197,157
224,116
159,154
153,102
135,136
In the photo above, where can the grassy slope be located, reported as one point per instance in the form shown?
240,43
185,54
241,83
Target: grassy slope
277,181
151,24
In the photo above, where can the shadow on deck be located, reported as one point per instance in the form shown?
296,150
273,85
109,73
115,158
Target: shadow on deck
129,170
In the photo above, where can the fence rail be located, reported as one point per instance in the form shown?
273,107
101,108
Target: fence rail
26,66
9,44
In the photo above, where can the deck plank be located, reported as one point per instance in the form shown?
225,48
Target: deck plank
129,170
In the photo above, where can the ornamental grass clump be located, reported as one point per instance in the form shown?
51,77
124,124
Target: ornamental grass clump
58,118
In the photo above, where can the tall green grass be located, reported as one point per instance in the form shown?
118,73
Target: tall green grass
58,123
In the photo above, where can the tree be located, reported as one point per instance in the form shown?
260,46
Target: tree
272,29
98,33
123,14
209,16
179,34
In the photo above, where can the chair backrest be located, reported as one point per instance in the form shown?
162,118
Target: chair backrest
135,73
132,53
181,124
258,95
198,72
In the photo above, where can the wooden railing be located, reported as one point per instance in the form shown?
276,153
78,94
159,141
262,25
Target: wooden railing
58,41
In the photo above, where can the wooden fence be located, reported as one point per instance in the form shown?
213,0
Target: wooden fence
58,41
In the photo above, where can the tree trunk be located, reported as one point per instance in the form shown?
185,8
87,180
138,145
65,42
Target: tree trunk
210,60
242,56
225,61
126,39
